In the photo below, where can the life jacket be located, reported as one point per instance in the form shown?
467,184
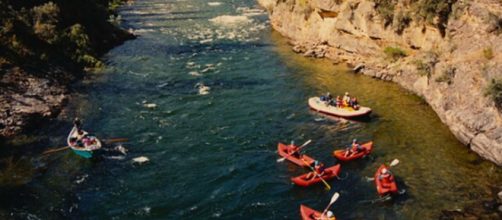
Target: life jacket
386,178
319,169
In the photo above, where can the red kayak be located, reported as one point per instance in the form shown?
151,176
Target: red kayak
308,213
382,188
282,149
329,173
340,154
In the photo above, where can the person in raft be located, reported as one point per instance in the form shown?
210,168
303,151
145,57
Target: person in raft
386,178
338,103
319,169
293,150
354,148
353,103
329,216
346,99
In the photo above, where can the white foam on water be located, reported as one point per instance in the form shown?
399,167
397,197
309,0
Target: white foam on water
214,3
81,179
194,73
231,20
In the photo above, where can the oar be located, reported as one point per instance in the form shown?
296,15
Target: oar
55,150
328,187
333,200
393,163
303,145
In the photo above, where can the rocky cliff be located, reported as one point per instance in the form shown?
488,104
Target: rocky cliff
449,52
44,46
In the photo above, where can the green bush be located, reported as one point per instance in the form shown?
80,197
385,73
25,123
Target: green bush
45,19
386,10
488,53
394,53
494,90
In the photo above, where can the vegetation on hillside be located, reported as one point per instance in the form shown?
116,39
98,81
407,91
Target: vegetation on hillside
57,32
494,91
431,12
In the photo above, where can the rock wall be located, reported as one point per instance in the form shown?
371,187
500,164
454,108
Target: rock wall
450,67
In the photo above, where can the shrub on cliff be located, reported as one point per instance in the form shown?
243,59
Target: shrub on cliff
394,53
45,19
494,90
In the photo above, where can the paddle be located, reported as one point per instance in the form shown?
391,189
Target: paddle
333,200
328,187
107,141
392,163
303,145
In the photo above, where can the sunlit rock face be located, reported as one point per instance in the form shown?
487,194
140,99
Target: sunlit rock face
450,63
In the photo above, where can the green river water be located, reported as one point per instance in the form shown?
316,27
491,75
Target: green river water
214,156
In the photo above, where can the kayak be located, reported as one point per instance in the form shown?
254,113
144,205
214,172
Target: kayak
340,154
316,104
310,214
382,191
87,151
282,149
302,179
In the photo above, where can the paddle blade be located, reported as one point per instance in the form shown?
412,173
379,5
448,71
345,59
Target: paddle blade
281,159
394,162
334,198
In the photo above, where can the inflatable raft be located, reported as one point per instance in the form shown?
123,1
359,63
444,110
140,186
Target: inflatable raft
282,149
329,173
340,154
316,104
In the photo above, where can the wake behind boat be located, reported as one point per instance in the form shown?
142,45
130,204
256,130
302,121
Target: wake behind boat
82,143
316,104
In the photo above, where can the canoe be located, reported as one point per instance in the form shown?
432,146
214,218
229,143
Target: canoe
390,189
340,154
87,151
302,179
282,149
310,214
316,104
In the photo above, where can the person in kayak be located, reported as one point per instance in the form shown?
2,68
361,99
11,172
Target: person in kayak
386,178
329,216
293,150
319,169
354,148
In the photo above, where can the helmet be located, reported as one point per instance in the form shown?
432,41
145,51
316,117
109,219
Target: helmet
346,93
354,140
329,214
384,170
316,163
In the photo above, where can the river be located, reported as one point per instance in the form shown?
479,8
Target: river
213,156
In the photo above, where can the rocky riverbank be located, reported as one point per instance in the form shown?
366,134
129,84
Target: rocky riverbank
44,47
447,53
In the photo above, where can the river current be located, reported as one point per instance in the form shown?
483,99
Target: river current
213,152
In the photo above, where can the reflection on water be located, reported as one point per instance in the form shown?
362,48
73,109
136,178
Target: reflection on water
213,156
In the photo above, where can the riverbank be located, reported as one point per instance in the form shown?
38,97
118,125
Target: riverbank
45,47
451,58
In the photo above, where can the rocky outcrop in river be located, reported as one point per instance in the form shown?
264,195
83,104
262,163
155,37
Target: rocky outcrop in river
448,52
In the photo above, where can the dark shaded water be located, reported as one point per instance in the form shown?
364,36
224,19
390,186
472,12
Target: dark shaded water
213,156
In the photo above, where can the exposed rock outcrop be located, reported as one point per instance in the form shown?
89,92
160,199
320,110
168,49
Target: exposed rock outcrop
449,61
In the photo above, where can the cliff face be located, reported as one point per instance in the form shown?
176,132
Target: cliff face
448,53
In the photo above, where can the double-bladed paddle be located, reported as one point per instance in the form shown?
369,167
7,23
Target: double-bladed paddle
303,145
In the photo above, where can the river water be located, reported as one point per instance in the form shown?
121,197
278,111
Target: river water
213,156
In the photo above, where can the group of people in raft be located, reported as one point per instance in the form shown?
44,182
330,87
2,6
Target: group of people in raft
385,176
344,102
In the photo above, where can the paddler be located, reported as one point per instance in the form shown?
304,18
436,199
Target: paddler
319,169
354,148
346,99
386,178
293,150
